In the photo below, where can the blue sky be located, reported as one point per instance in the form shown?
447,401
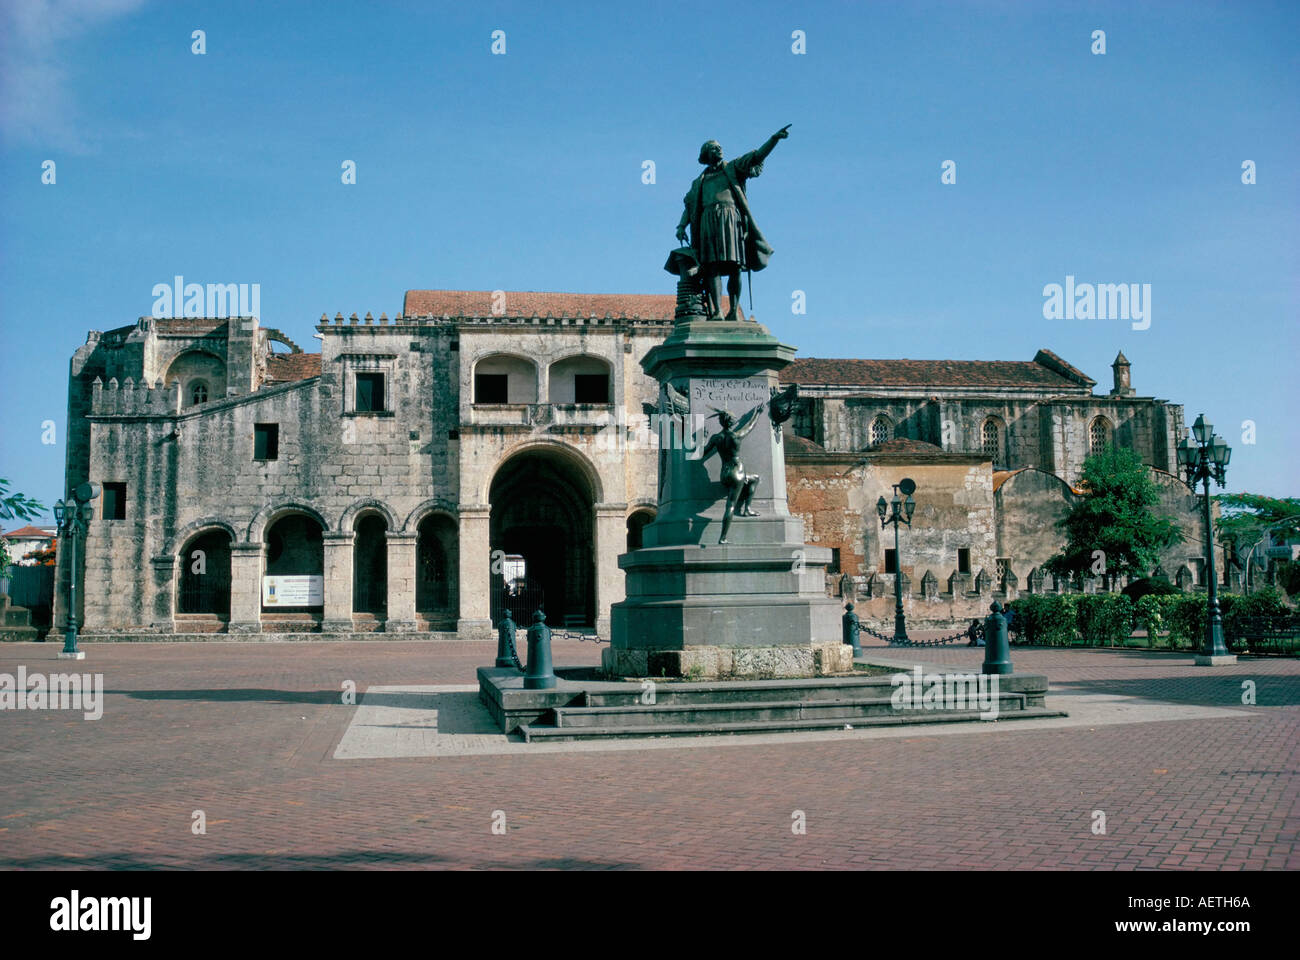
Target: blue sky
524,172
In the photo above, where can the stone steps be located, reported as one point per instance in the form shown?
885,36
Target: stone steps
743,691
857,708
552,734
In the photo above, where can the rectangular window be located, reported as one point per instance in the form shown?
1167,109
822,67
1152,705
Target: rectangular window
370,392
114,507
591,388
891,561
266,441
834,566
491,388
1003,565
963,560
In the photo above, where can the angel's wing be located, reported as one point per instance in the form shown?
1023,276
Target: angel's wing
781,406
674,401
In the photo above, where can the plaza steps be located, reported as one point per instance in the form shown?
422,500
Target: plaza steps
199,623
753,707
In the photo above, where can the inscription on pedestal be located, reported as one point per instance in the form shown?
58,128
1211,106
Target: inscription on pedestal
736,396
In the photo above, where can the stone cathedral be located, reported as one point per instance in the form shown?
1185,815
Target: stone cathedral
485,450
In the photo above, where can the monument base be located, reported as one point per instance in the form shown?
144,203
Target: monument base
731,663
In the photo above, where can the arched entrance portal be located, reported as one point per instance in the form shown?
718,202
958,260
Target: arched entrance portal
436,571
370,566
542,511
294,548
205,575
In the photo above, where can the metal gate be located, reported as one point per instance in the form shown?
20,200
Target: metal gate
521,600
204,593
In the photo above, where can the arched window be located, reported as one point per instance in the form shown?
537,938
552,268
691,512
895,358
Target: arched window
199,392
881,430
991,440
1099,434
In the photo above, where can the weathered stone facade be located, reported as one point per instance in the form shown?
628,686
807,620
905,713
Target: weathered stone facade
411,459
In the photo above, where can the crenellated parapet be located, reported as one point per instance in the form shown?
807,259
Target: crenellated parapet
126,398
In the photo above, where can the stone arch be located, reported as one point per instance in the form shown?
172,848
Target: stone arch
637,519
349,517
436,505
576,458
993,439
523,378
197,366
562,385
542,499
207,589
256,532
1101,434
195,527
881,429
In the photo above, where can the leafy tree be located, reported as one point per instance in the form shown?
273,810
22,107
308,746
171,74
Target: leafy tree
1116,517
1244,519
16,505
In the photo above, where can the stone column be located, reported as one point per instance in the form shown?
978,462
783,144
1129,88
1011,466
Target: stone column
245,588
338,581
475,598
401,583
164,594
611,541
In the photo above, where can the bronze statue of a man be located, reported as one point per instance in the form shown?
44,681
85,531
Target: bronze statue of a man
739,485
723,233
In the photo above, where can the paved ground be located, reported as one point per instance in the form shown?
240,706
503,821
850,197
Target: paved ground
248,732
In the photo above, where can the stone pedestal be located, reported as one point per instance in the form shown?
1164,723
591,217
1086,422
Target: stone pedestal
755,606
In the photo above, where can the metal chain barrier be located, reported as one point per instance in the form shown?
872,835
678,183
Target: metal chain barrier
568,635
915,643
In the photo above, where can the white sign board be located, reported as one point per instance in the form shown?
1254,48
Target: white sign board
297,591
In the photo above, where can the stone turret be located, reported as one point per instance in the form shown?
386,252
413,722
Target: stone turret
1123,381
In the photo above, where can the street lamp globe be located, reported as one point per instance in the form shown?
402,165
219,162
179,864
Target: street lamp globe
1202,429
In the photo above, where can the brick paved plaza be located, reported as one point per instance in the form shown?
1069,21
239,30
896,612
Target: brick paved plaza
248,733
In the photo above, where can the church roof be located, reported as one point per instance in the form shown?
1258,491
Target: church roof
287,367
898,445
191,326
937,373
529,303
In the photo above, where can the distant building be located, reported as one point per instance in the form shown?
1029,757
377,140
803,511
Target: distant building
27,539
390,481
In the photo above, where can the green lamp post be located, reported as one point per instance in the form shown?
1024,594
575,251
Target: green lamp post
71,518
898,511
1202,461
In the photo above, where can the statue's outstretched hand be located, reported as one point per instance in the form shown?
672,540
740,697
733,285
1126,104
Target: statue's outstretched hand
783,132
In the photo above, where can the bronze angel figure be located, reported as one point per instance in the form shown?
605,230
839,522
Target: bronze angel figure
739,485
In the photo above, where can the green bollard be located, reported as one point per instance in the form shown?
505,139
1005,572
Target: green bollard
541,674
997,646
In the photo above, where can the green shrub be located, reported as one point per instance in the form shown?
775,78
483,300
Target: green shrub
1047,618
1185,616
1104,619
1149,615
